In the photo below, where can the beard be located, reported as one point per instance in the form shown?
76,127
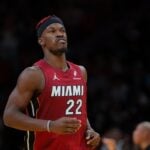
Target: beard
59,52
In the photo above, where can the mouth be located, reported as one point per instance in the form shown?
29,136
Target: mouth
61,40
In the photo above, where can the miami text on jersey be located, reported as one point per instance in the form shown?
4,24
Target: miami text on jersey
70,90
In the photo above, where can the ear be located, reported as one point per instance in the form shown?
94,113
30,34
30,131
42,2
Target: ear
41,41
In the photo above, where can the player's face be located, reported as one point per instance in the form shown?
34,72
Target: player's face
139,135
55,39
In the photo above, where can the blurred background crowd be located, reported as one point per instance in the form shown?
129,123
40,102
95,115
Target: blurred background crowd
109,37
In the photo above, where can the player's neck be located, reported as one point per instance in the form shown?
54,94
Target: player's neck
58,62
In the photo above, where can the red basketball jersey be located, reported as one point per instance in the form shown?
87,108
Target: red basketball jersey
64,95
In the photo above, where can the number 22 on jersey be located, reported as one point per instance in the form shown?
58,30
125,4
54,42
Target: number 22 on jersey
73,104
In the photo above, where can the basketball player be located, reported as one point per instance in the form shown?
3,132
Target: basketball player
49,100
141,135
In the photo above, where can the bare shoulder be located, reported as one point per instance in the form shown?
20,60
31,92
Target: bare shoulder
31,77
31,73
84,72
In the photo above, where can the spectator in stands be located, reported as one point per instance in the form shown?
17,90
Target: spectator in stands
141,136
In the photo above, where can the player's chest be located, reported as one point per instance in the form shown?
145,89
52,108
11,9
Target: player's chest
59,78
67,84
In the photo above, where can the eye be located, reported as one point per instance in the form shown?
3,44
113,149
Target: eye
63,30
51,31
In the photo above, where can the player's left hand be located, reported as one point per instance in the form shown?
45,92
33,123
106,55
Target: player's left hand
93,138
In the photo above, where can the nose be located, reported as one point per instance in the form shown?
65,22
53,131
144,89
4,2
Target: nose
60,34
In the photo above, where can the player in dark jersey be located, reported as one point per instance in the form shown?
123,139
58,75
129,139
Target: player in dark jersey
49,100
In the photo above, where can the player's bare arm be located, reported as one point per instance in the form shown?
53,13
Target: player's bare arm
31,82
92,137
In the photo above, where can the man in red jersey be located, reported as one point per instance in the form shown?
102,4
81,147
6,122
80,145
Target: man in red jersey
49,100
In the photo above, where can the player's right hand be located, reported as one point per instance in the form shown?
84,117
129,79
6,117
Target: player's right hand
65,125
